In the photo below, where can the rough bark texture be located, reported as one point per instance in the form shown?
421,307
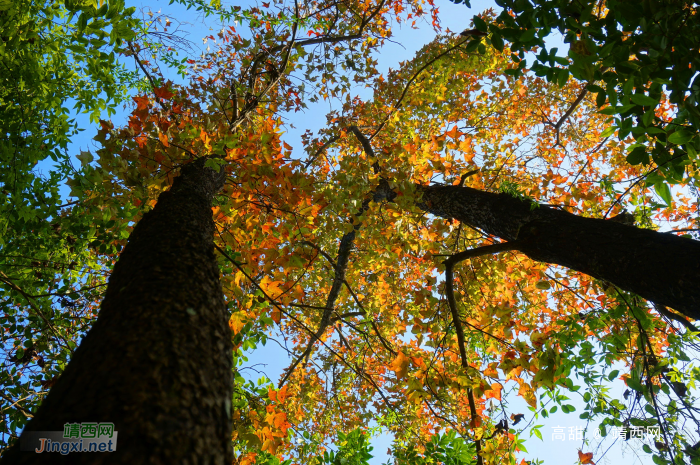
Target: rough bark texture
660,267
157,362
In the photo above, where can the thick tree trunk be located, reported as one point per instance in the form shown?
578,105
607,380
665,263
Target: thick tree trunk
157,362
660,267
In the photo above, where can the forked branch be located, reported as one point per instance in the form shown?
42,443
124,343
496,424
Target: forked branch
449,289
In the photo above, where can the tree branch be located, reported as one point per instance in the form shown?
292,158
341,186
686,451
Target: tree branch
571,109
668,314
397,105
36,309
449,290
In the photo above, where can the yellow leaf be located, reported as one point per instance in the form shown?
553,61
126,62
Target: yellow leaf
236,322
528,394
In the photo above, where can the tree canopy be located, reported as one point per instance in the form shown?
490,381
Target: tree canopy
469,233
639,60
53,55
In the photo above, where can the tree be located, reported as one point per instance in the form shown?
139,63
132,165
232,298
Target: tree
417,146
637,59
337,254
158,429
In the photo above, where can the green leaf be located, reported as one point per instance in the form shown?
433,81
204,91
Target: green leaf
609,110
544,285
472,45
123,31
638,156
497,42
521,445
82,22
680,137
85,158
635,384
480,24
613,374
609,131
643,100
528,35
562,77
76,49
664,192
650,410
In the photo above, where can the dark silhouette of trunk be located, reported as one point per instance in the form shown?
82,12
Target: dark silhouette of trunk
660,267
157,362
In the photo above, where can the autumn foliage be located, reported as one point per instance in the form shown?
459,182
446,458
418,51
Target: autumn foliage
329,248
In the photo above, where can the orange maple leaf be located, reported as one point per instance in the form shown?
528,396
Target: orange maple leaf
164,139
135,124
494,392
400,365
141,102
204,137
282,393
163,92
236,322
527,393
453,133
586,458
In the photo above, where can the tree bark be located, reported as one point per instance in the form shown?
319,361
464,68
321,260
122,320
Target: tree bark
659,267
157,362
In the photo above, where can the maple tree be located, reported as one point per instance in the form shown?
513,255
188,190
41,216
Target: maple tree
344,253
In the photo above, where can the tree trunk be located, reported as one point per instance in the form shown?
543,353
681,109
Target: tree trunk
157,362
660,267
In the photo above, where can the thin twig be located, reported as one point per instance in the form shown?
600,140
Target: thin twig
356,370
143,68
410,82
320,151
36,309
571,109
